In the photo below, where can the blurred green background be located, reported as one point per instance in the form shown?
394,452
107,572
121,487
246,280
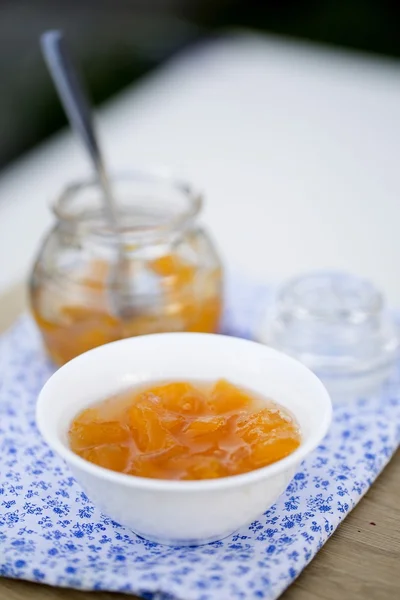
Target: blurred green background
118,41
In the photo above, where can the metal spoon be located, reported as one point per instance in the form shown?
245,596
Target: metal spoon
79,113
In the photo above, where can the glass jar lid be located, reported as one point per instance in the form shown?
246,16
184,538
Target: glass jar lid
337,325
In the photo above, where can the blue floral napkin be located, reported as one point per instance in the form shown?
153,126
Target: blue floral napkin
50,532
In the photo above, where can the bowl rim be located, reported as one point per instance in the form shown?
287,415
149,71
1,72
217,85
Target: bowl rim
53,440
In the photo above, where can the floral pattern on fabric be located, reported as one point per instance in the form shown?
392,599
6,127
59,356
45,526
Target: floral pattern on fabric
51,532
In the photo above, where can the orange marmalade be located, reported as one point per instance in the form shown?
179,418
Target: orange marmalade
74,314
184,431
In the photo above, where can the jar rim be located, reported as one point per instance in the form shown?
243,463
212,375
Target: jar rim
192,198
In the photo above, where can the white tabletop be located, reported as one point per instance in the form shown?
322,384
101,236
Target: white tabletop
296,148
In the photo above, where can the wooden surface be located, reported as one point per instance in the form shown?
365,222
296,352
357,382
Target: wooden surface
360,562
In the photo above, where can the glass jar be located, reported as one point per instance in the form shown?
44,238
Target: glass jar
172,271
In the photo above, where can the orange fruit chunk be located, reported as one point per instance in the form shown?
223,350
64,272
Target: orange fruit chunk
177,271
90,434
165,265
147,429
251,427
269,451
181,398
111,456
226,397
206,467
204,425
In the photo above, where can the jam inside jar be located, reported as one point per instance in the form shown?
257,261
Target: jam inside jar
172,273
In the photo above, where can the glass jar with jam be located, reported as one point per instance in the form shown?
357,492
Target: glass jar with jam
172,276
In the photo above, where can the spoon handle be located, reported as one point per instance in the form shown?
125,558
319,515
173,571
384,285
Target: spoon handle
77,107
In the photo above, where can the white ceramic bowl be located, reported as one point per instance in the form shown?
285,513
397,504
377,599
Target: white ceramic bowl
183,512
